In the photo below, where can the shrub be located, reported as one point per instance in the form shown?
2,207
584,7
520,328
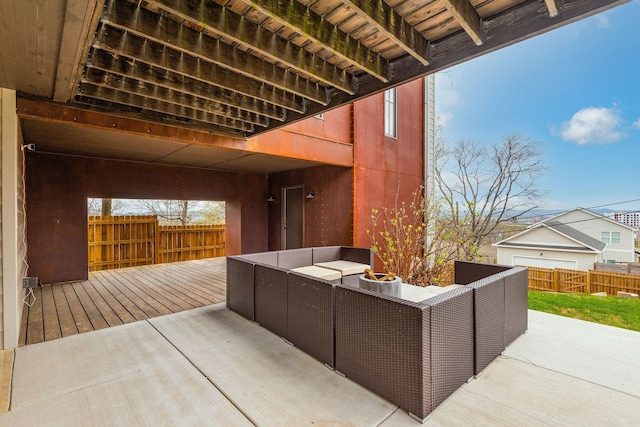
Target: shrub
418,242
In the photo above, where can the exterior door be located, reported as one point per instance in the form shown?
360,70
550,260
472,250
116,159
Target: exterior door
292,221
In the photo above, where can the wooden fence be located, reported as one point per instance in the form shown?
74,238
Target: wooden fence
128,241
586,282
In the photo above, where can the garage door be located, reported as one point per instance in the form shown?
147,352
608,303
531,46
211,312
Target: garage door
545,262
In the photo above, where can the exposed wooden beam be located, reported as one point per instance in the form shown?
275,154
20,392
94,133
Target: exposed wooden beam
218,20
463,12
101,60
390,23
169,96
142,51
506,29
80,20
113,121
552,7
145,103
322,33
167,32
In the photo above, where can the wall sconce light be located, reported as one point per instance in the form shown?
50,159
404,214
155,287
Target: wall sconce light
271,198
311,195
541,254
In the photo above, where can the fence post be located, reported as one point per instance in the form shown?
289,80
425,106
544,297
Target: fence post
556,281
589,282
156,241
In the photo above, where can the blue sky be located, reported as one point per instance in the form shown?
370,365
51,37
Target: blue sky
575,89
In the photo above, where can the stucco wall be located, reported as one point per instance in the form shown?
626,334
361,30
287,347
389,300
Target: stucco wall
58,186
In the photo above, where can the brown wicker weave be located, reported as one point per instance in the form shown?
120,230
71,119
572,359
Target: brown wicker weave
240,287
271,298
310,316
516,300
412,354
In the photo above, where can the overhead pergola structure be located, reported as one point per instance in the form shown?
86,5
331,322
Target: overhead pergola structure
239,68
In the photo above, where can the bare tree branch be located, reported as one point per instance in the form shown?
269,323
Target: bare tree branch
490,182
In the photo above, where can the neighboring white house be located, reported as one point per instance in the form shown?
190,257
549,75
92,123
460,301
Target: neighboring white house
574,240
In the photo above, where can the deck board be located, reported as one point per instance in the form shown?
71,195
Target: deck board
77,310
35,329
93,313
115,297
50,315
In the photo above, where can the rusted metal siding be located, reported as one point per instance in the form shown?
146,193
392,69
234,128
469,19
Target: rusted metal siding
327,217
58,186
386,167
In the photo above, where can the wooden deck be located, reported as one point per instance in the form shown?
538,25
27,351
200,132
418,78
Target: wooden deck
115,297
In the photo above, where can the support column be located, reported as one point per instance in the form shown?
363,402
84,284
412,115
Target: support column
12,249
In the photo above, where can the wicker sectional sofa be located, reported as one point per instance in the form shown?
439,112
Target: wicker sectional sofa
414,354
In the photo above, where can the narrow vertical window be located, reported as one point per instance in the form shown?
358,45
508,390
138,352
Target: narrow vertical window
390,113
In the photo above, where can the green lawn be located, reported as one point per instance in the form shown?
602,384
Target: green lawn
613,311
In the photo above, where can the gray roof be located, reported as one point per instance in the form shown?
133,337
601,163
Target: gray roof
580,237
575,234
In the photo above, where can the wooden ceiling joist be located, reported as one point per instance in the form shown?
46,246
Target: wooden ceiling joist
150,104
552,7
104,61
394,27
215,19
179,38
464,13
322,33
135,49
160,93
243,67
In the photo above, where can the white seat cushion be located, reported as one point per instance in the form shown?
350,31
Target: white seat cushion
345,267
319,272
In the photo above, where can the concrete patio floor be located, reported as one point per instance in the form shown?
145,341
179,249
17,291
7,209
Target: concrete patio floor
209,366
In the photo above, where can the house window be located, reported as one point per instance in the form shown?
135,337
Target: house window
390,113
612,237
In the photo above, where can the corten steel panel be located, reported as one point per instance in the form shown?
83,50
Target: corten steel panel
56,219
57,188
386,167
304,147
327,217
410,127
368,132
271,299
390,156
335,127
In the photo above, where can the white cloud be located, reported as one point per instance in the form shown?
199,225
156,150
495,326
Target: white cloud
443,118
603,22
636,124
448,100
593,125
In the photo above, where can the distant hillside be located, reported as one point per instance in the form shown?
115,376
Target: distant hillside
542,214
